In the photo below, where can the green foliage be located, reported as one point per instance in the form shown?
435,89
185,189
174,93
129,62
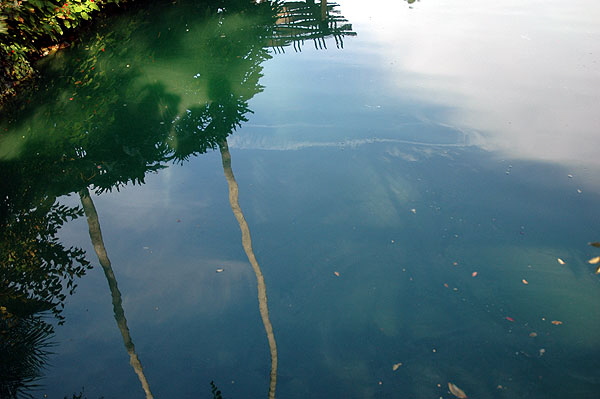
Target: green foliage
28,25
35,20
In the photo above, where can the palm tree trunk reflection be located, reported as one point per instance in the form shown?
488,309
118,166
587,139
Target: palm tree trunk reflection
323,10
98,243
247,244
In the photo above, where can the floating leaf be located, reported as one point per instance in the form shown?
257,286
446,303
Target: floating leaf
560,261
533,334
456,391
525,281
396,366
557,322
474,274
594,261
595,244
337,274
509,318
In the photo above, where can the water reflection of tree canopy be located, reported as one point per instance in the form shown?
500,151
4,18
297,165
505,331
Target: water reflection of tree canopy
35,266
24,342
105,129
298,21
36,273
108,127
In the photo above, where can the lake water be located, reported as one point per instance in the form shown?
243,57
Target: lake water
368,200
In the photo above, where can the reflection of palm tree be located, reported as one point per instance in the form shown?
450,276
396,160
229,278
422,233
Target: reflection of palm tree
98,243
298,21
247,244
24,342
323,10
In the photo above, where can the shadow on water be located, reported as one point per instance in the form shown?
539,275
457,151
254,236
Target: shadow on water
143,92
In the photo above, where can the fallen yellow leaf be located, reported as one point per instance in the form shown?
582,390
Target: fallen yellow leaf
396,366
525,281
456,391
556,322
337,274
560,261
595,260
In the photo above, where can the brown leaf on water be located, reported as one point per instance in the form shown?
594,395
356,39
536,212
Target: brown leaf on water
598,270
396,366
456,391
595,244
525,281
557,322
337,274
594,261
560,261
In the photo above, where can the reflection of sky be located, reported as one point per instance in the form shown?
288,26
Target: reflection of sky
165,239
524,75
355,200
391,226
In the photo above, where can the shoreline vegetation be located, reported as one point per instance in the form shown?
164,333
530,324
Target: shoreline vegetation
32,29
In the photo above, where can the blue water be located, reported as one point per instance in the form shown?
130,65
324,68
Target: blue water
417,222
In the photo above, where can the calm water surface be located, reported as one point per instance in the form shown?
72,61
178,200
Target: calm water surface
371,205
